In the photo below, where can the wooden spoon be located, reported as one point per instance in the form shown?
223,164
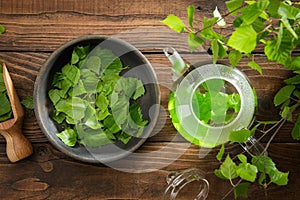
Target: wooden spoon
17,146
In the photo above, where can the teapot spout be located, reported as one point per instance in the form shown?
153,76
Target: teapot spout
178,65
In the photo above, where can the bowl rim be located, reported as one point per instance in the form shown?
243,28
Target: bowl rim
46,70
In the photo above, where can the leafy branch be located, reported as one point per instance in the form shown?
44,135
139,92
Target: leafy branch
274,25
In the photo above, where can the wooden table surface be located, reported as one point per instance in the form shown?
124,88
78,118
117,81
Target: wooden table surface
34,29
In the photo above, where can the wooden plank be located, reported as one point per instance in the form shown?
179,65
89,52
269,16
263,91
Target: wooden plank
94,7
33,177
44,25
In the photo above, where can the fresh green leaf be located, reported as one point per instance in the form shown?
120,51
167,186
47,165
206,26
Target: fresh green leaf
112,68
288,12
90,118
262,179
94,64
241,190
2,84
218,108
242,158
234,6
137,121
139,91
190,11
71,72
107,58
279,37
215,50
194,41
243,39
68,136
222,49
279,54
213,86
2,29
234,57
78,89
111,124
283,94
120,109
5,104
228,168
54,95
294,64
5,108
279,178
202,106
234,102
221,153
174,22
216,112
6,116
28,103
75,57
82,51
296,93
293,81
289,27
74,107
258,25
58,116
102,114
102,102
285,111
95,138
237,22
252,12
239,135
255,66
273,8
264,164
207,31
219,174
296,130
124,137
89,80
247,171
131,87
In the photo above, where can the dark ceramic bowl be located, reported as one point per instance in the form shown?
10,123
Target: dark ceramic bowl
139,67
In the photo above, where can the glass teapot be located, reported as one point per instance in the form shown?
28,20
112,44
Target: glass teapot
208,101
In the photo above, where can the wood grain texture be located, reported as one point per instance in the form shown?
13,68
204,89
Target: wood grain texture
43,25
74,180
36,28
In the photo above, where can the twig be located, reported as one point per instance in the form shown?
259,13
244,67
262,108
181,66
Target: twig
222,18
273,136
270,129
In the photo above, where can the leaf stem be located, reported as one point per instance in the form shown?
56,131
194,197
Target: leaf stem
232,189
222,18
273,136
270,129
